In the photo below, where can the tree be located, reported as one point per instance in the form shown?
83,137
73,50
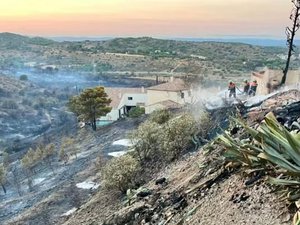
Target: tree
28,162
90,104
66,144
49,151
2,177
291,32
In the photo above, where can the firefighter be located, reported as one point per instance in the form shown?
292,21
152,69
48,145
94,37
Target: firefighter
231,89
246,87
253,88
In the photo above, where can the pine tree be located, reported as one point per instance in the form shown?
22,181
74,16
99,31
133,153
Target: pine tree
90,104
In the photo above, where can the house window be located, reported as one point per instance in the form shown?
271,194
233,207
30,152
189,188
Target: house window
130,98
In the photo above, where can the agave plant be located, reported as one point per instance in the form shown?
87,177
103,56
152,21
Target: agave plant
273,148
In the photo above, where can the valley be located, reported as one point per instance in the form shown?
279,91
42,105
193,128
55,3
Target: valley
174,156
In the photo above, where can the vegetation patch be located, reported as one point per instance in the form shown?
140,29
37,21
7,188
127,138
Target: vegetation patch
136,112
120,173
271,149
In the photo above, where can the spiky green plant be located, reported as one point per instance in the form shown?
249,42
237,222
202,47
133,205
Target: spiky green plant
270,147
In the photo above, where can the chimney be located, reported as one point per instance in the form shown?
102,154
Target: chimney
143,89
171,79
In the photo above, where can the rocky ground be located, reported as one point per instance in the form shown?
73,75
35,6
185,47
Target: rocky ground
200,188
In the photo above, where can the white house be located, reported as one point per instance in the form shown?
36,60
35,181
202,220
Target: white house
123,99
172,94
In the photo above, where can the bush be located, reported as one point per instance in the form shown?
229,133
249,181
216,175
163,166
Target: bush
160,116
24,77
30,159
177,136
164,142
146,141
136,112
67,145
204,124
120,173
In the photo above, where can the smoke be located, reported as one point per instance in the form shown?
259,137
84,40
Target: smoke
209,98
61,80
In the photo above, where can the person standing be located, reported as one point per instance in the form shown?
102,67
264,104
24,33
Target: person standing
232,89
246,87
253,88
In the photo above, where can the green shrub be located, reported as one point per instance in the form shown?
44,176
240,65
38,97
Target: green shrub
120,173
164,142
24,77
160,116
136,112
177,136
146,141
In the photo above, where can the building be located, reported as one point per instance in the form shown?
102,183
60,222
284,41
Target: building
268,80
123,99
172,94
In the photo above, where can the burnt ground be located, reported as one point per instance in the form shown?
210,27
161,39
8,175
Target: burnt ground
56,193
200,188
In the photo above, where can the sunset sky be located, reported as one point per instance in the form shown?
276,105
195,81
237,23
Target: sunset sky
159,18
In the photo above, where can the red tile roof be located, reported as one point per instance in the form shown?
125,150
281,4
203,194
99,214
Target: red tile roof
116,94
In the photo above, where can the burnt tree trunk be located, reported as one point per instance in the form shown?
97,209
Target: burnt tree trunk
290,37
3,187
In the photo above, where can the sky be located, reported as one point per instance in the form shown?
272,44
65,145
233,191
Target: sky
156,18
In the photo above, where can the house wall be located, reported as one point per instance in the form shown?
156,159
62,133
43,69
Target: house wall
293,77
155,96
137,99
274,77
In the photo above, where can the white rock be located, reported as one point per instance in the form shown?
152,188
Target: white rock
117,154
123,142
88,185
68,213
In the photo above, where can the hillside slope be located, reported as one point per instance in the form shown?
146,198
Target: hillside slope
28,111
201,188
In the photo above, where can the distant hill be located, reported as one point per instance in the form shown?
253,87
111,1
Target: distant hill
16,41
144,55
78,39
267,42
252,41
